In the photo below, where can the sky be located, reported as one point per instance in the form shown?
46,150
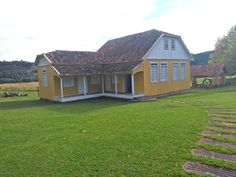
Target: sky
31,27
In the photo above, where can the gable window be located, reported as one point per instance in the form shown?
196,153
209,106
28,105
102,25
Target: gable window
164,72
95,79
45,77
154,72
68,82
113,79
172,44
182,71
175,71
166,44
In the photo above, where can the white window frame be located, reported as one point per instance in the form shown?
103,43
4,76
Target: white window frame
175,71
68,81
183,73
154,78
113,78
95,79
45,76
161,72
172,44
166,44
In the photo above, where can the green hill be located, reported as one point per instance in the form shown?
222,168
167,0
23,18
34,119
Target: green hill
17,71
201,58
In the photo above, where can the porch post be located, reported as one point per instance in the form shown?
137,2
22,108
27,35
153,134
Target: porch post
132,81
102,83
116,84
61,84
85,86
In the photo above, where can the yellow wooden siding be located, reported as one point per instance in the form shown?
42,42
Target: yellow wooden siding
94,88
139,82
166,86
120,85
46,92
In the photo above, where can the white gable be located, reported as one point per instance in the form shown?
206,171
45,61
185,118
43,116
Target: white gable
43,62
158,50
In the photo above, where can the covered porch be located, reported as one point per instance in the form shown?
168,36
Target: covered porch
117,85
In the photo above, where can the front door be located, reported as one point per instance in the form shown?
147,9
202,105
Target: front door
128,87
81,84
107,83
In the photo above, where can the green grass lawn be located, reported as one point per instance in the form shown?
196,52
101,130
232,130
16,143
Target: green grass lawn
104,137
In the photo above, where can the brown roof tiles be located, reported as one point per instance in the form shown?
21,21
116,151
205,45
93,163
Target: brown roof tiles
207,70
115,56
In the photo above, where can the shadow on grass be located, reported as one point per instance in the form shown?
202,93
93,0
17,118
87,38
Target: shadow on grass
69,107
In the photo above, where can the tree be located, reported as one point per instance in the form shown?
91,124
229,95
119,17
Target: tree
225,51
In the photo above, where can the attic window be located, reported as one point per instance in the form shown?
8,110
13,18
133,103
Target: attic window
172,44
166,44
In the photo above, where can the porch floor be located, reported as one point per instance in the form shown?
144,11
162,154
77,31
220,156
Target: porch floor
95,95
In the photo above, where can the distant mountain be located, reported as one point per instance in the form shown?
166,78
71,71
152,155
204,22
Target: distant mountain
17,71
201,58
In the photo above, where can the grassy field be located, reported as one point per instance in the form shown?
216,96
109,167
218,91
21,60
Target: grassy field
19,86
104,137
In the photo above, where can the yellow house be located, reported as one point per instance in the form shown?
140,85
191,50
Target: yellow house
150,63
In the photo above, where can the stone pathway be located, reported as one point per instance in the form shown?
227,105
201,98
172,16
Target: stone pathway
208,169
212,133
223,120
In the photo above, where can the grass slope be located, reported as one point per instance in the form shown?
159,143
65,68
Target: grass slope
103,137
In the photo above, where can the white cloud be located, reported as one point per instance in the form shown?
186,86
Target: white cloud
30,27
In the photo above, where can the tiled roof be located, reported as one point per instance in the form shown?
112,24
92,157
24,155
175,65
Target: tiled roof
207,70
79,69
117,55
63,57
129,48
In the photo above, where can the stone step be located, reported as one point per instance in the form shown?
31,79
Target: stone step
223,123
212,133
228,120
232,116
218,143
208,169
222,128
212,154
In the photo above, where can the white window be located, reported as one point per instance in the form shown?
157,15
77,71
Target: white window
45,77
95,79
175,71
166,44
172,44
113,79
154,72
68,81
182,71
164,72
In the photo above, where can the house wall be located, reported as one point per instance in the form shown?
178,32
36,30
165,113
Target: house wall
158,51
120,85
91,88
46,92
165,87
94,88
139,82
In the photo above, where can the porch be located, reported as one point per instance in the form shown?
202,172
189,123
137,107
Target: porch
93,86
